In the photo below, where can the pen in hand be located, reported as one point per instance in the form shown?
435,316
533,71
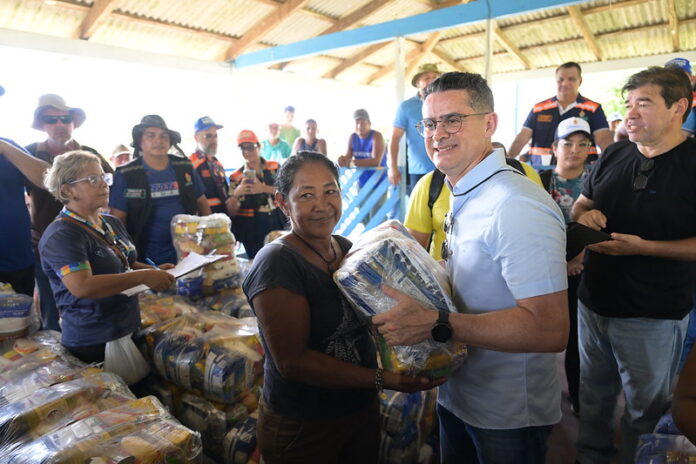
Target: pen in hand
151,263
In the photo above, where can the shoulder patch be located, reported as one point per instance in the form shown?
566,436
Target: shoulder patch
545,105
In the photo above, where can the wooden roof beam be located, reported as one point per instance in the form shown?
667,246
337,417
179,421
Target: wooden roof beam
447,58
412,55
673,24
343,24
100,10
355,17
509,46
355,59
263,27
584,28
425,49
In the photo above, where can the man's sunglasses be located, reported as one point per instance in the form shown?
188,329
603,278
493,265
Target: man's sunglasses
641,180
67,119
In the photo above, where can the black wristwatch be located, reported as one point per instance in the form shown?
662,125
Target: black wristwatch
442,329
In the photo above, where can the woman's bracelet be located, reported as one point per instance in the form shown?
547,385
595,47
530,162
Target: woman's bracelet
379,379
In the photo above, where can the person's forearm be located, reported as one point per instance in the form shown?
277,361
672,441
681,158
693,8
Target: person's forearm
518,144
32,168
513,330
680,250
104,285
578,210
684,403
366,162
394,152
321,370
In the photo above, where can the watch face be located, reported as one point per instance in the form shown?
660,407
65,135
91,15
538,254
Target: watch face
441,332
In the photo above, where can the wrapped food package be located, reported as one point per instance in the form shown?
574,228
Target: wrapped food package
204,235
660,448
156,308
230,301
39,369
24,346
272,235
15,313
240,442
389,255
51,408
208,353
137,431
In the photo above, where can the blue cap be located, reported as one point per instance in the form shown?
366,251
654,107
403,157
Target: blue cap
204,123
2,90
681,63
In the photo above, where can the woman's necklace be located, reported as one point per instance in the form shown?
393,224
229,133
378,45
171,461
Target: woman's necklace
333,250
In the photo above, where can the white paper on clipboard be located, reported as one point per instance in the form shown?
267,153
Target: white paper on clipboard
189,264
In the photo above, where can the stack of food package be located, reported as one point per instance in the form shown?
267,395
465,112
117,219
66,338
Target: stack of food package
407,425
666,444
389,255
212,365
16,316
56,409
205,235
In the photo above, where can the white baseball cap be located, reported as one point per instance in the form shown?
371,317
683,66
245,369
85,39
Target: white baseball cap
615,117
570,126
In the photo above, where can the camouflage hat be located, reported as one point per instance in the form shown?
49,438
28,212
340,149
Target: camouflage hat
424,69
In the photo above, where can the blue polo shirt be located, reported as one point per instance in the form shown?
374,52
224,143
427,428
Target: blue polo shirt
409,114
15,241
65,248
508,243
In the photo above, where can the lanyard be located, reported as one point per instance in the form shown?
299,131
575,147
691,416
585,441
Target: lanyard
107,234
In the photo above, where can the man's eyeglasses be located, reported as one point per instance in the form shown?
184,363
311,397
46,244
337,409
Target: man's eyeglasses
451,123
210,136
67,119
641,180
247,147
93,180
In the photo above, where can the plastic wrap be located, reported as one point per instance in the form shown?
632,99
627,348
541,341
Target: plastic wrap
28,345
208,353
15,313
240,442
389,255
39,369
156,308
51,408
231,301
654,448
138,431
204,235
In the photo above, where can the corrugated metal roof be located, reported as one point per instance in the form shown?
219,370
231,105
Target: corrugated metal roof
206,30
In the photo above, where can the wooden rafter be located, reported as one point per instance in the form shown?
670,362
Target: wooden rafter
309,11
385,70
425,49
584,28
447,58
99,11
509,46
263,27
343,24
356,16
355,59
673,24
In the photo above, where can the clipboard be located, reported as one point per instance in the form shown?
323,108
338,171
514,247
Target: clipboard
578,236
189,264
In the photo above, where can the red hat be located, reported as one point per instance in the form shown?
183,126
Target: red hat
247,136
